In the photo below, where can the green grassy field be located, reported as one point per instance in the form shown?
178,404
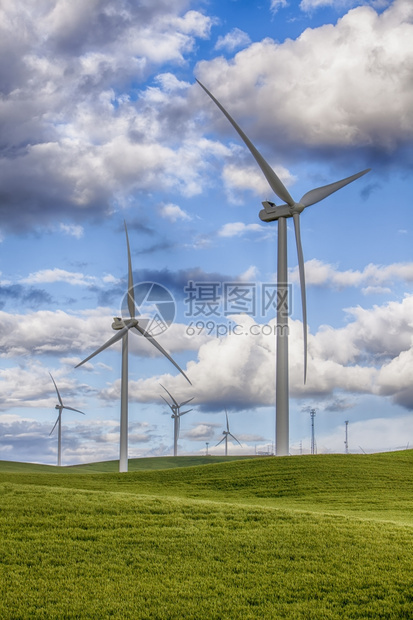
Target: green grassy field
309,537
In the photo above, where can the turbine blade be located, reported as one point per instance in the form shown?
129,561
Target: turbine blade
161,349
169,405
172,398
57,391
223,439
107,344
315,195
186,401
55,424
231,435
71,409
184,412
226,414
275,183
131,294
301,271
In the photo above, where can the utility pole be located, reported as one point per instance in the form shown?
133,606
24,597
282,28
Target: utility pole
346,440
312,414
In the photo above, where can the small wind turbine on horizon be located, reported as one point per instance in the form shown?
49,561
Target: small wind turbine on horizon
281,213
58,422
122,326
227,434
176,415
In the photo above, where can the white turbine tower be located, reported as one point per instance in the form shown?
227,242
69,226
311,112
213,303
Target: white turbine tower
226,435
58,422
270,213
176,415
122,326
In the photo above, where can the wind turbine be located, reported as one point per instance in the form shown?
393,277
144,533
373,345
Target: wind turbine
58,422
281,213
122,326
176,415
225,437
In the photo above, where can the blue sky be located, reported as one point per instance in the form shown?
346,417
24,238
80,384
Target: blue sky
102,121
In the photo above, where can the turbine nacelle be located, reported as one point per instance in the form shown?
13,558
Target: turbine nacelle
272,212
119,323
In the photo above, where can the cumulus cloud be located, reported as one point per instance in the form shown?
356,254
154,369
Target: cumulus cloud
233,40
173,213
201,432
310,5
60,333
82,440
328,88
74,141
373,278
238,177
59,275
237,229
372,355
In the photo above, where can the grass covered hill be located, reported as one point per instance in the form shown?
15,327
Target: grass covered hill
311,537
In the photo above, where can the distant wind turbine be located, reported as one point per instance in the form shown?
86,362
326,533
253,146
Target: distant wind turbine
226,435
176,415
270,213
122,326
58,422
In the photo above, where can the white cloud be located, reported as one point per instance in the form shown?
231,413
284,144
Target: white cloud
201,432
329,87
250,275
238,229
373,278
310,5
59,275
66,81
233,40
278,4
372,354
173,213
72,230
31,386
240,177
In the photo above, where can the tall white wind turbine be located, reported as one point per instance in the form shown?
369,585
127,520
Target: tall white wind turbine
122,326
58,422
175,407
270,213
227,434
